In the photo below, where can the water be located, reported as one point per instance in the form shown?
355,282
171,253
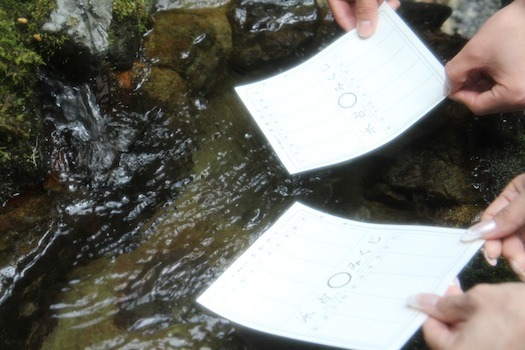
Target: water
149,207
146,208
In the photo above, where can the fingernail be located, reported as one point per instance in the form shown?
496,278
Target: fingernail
422,301
456,282
491,261
364,28
517,270
479,230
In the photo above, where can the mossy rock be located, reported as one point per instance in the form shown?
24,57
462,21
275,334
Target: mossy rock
195,47
167,87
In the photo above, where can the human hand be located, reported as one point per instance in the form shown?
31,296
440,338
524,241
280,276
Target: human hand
503,227
485,317
488,74
362,14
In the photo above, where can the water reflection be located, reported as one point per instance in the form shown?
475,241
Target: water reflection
157,203
152,205
161,232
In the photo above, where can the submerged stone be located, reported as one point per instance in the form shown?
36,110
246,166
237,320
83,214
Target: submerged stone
167,86
264,31
125,42
192,43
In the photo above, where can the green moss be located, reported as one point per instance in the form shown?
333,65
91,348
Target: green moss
123,9
20,126
18,65
21,48
39,12
36,12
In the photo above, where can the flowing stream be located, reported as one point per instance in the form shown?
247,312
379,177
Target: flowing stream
152,207
149,207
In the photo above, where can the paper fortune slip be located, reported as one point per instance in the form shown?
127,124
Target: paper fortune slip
319,278
352,97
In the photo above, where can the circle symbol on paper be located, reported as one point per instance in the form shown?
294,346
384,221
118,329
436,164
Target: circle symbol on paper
347,100
339,280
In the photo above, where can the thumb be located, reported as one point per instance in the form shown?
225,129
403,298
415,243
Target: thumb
366,17
505,222
450,308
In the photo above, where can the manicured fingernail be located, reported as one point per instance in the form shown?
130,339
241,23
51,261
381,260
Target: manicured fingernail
364,28
422,301
479,230
490,260
517,270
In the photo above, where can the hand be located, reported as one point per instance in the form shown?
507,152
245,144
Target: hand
503,227
362,14
485,317
488,74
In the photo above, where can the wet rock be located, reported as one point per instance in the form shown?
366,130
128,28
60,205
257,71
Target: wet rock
497,152
131,19
460,215
451,165
430,171
427,16
86,25
438,173
23,158
126,39
20,223
426,19
25,225
191,43
85,22
167,86
265,30
164,5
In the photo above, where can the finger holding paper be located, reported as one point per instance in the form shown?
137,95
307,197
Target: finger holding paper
487,74
443,312
485,317
362,14
503,226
